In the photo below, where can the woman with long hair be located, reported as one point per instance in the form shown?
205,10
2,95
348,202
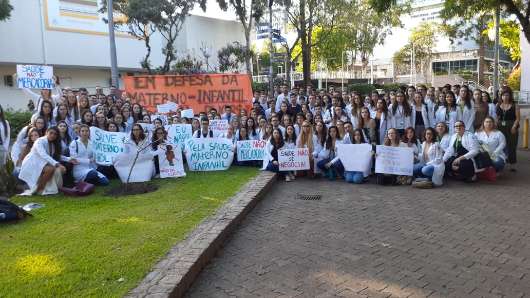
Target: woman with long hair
39,124
356,177
330,163
306,140
158,141
33,135
492,106
481,109
381,122
448,113
420,114
442,135
493,142
45,111
391,139
81,150
41,168
466,108
270,158
508,118
252,129
137,113
100,121
400,113
430,163
368,126
411,140
87,118
82,105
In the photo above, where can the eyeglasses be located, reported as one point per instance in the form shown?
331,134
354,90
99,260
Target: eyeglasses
457,126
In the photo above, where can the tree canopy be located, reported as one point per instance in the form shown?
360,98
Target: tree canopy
5,10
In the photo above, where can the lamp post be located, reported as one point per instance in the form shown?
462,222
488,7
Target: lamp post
342,71
271,68
496,53
112,42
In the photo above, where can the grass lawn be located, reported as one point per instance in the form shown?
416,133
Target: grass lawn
101,246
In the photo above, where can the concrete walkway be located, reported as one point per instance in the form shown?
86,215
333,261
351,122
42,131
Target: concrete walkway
461,240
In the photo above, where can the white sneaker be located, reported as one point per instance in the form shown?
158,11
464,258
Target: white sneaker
287,178
293,177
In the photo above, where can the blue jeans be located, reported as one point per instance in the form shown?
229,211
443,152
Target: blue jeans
275,168
354,177
422,170
498,165
93,178
334,170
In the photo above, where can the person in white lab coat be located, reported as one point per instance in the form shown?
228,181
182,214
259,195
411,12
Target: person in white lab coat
5,137
400,114
329,162
467,108
41,168
494,142
449,113
459,156
430,163
442,135
81,150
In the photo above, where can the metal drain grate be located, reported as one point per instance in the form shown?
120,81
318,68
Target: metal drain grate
306,197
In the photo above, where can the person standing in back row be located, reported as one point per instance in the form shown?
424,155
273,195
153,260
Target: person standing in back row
508,117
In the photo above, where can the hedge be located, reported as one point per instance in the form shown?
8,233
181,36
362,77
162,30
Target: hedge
17,120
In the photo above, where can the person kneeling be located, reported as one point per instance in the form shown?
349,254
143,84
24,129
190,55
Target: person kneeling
81,150
459,157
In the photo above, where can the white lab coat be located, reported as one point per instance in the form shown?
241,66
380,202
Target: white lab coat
444,142
267,157
424,115
430,112
449,119
433,157
37,98
468,117
383,127
5,135
35,161
85,156
494,144
469,142
399,120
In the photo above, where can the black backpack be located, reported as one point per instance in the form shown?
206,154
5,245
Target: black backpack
10,211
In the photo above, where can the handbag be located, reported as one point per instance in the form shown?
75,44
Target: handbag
489,174
80,189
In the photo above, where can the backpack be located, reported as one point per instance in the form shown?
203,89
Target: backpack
10,211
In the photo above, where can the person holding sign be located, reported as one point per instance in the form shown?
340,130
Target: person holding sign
459,157
392,139
307,139
45,94
270,159
5,137
356,177
204,131
329,160
430,163
81,150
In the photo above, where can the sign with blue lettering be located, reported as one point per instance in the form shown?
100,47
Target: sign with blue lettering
209,154
250,150
106,145
35,77
178,134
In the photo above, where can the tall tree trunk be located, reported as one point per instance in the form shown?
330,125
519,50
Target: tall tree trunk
248,62
481,62
146,63
306,51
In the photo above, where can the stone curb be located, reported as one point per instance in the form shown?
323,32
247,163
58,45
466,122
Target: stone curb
174,274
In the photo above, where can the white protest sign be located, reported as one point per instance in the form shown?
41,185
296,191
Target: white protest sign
35,77
209,154
106,145
250,150
394,160
142,171
355,157
170,164
219,127
167,107
187,113
147,127
293,159
178,134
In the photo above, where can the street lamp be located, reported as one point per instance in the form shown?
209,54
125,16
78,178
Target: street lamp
112,42
494,36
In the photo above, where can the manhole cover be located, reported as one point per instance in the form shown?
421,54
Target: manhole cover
308,197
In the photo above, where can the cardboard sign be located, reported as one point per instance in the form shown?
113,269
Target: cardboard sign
178,134
188,113
209,154
167,107
106,145
199,92
143,168
394,160
355,157
250,150
219,127
171,165
35,77
293,159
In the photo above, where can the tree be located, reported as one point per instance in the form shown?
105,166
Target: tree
423,39
509,38
5,10
247,14
146,17
467,9
232,56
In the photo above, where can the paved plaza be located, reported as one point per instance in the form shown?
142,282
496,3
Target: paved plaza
460,240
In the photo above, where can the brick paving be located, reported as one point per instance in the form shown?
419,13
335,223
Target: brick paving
460,240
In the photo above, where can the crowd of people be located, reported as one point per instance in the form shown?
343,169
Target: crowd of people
455,132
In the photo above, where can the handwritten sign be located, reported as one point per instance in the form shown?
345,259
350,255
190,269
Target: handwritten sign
219,127
250,150
199,92
355,157
167,107
178,134
394,160
210,154
187,113
147,127
143,168
106,145
35,77
171,165
161,117
293,159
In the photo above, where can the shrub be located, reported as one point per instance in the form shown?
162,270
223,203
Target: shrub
17,120
514,80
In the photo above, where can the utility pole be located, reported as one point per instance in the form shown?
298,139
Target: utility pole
271,68
496,53
112,41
